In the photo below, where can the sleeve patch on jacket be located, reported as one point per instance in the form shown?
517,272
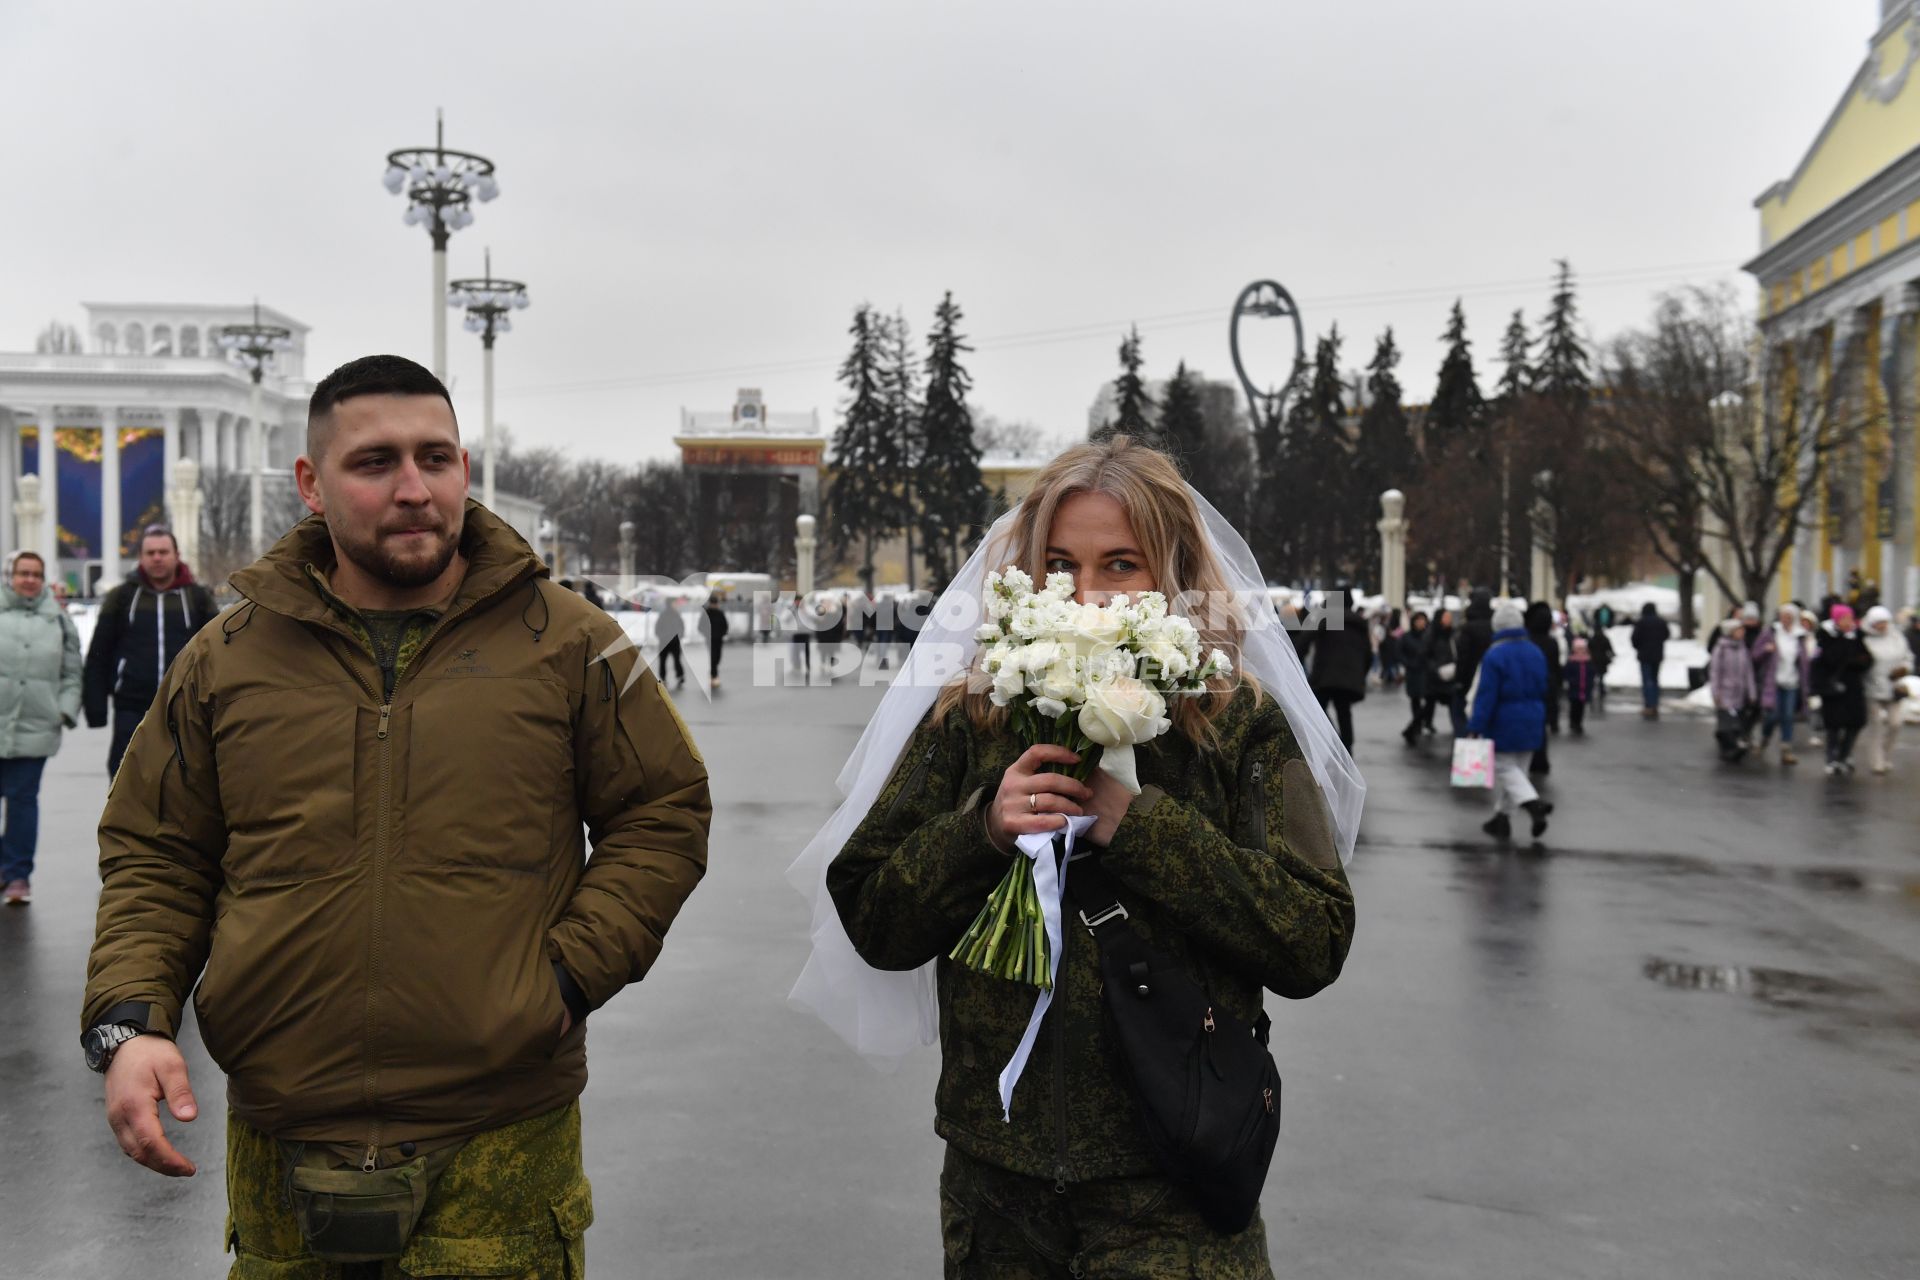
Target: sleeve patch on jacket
1305,821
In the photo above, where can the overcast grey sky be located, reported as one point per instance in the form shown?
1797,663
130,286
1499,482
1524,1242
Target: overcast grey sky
699,193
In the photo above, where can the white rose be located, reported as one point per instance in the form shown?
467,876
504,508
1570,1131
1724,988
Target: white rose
1095,631
1062,682
1123,711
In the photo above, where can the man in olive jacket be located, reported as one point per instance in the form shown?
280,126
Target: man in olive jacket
355,819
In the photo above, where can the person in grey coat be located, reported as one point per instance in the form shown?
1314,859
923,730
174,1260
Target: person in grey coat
40,672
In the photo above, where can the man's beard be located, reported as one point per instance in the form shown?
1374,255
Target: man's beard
425,563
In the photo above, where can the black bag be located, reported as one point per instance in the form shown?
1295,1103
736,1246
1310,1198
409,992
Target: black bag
1209,1093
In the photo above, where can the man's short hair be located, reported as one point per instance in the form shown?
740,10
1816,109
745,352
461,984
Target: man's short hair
159,531
367,376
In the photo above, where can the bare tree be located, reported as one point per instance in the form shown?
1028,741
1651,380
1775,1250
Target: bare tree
1728,449
57,339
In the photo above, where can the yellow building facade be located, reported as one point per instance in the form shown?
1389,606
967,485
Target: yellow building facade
1839,274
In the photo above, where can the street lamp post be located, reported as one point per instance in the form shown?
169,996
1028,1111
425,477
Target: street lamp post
487,300
441,186
253,347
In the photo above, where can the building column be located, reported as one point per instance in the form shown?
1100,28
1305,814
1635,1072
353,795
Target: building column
169,449
110,518
9,478
1897,323
49,547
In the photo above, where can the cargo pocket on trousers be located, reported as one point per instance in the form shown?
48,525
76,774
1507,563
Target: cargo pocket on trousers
572,1215
956,1231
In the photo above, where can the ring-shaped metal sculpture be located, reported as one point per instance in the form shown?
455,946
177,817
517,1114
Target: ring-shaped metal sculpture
1267,299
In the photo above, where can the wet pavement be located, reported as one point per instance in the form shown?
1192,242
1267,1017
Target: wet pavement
1680,1037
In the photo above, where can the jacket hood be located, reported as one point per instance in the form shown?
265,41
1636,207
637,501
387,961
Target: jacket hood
1479,609
497,558
42,603
1511,633
182,577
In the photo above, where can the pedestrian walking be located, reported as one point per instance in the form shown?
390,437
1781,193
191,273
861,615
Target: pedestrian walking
1510,706
831,609
713,618
1650,635
39,698
1582,680
668,630
1731,681
1782,668
143,622
1443,674
357,837
1240,888
1840,674
1414,645
1340,657
1892,663
1911,630
1471,642
1538,621
1600,646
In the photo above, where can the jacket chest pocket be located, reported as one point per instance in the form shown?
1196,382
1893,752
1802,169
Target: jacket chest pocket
489,772
288,785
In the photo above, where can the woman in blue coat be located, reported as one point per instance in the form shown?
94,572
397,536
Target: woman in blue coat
1510,706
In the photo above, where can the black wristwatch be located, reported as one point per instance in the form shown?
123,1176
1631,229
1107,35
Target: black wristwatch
103,1039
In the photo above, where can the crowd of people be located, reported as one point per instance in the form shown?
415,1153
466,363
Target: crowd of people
1847,668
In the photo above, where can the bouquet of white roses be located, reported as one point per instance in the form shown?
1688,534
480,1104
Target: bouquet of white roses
1094,679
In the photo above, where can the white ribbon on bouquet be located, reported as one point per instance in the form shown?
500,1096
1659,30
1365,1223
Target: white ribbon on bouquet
1050,887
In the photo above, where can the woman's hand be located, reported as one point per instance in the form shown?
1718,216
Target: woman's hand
1030,801
1110,801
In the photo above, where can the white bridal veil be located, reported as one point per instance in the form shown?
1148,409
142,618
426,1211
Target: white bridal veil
886,1015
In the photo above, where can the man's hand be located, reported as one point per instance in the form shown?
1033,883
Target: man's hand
144,1070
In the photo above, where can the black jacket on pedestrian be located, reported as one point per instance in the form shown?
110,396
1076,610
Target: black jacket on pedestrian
1539,623
1475,638
1840,675
1601,650
1340,659
1443,650
1414,646
1650,636
138,633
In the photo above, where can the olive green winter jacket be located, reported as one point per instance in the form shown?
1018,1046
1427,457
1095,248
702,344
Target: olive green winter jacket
1229,861
376,871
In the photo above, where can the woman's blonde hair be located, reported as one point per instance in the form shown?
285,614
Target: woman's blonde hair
1171,537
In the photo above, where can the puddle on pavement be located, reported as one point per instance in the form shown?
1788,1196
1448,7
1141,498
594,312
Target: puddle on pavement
1783,987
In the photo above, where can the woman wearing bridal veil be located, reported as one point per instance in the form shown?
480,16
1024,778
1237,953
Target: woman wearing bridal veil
1230,861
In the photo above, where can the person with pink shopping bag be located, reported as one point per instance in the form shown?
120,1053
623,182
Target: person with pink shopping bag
1472,763
1510,709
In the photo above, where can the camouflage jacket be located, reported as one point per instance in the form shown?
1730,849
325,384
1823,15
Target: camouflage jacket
1230,859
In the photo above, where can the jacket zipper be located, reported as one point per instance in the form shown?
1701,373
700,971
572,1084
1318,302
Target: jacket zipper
1257,795
914,780
1058,1015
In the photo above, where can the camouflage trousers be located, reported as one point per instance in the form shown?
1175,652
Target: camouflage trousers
1011,1227
514,1202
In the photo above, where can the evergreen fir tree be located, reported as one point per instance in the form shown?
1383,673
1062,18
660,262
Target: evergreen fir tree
1457,409
1317,461
869,468
1517,378
1183,427
1562,374
1133,407
952,494
1385,446
901,408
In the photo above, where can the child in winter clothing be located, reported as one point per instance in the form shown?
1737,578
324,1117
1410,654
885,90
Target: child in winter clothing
1582,680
